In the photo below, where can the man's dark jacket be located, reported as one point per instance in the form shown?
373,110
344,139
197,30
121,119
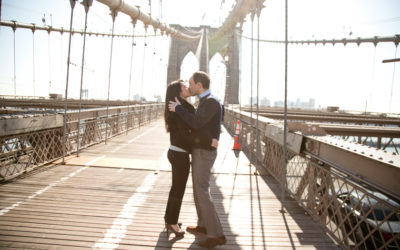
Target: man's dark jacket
206,121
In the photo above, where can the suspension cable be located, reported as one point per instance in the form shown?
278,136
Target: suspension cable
33,62
393,77
113,15
372,81
30,26
258,83
144,59
251,81
375,40
134,12
154,55
72,2
49,58
61,57
87,4
240,82
150,6
160,7
130,69
284,165
143,69
15,65
160,69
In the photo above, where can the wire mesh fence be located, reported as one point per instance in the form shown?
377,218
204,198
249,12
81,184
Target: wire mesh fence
27,148
352,212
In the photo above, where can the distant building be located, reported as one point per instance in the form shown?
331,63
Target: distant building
297,104
138,98
265,102
279,104
254,101
85,94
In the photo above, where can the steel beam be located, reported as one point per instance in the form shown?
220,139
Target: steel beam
136,14
375,167
349,119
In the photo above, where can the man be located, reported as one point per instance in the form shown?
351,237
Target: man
207,123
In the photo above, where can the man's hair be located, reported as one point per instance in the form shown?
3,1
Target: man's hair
202,77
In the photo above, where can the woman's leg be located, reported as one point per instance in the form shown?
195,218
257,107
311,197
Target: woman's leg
180,171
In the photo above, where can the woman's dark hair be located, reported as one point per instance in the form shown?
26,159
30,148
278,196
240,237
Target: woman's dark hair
173,90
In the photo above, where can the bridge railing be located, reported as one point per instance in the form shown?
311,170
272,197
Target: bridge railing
29,141
354,197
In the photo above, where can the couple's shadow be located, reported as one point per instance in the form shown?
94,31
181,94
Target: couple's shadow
165,242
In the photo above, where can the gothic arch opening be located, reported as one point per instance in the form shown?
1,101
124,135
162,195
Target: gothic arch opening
189,64
217,69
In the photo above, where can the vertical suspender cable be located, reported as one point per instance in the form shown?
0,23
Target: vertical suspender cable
143,64
33,60
87,5
143,68
152,62
240,66
160,5
130,72
72,2
15,64
150,6
154,54
49,51
160,67
258,83
372,80
113,15
251,86
61,54
154,57
285,109
391,89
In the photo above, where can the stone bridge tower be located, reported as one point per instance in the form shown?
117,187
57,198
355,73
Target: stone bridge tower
204,48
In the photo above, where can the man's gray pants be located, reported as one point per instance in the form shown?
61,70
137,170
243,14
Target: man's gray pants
202,162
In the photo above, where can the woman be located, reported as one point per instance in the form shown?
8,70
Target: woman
181,138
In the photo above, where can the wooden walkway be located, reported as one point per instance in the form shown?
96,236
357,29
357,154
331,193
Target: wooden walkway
113,197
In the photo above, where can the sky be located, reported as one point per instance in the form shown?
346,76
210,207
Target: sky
351,77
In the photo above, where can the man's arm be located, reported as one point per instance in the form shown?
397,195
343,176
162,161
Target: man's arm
208,109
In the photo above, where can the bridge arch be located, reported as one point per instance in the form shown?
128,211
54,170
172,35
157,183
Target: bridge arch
179,49
204,48
218,76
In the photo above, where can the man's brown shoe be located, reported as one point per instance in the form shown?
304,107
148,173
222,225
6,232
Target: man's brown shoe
196,230
213,242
